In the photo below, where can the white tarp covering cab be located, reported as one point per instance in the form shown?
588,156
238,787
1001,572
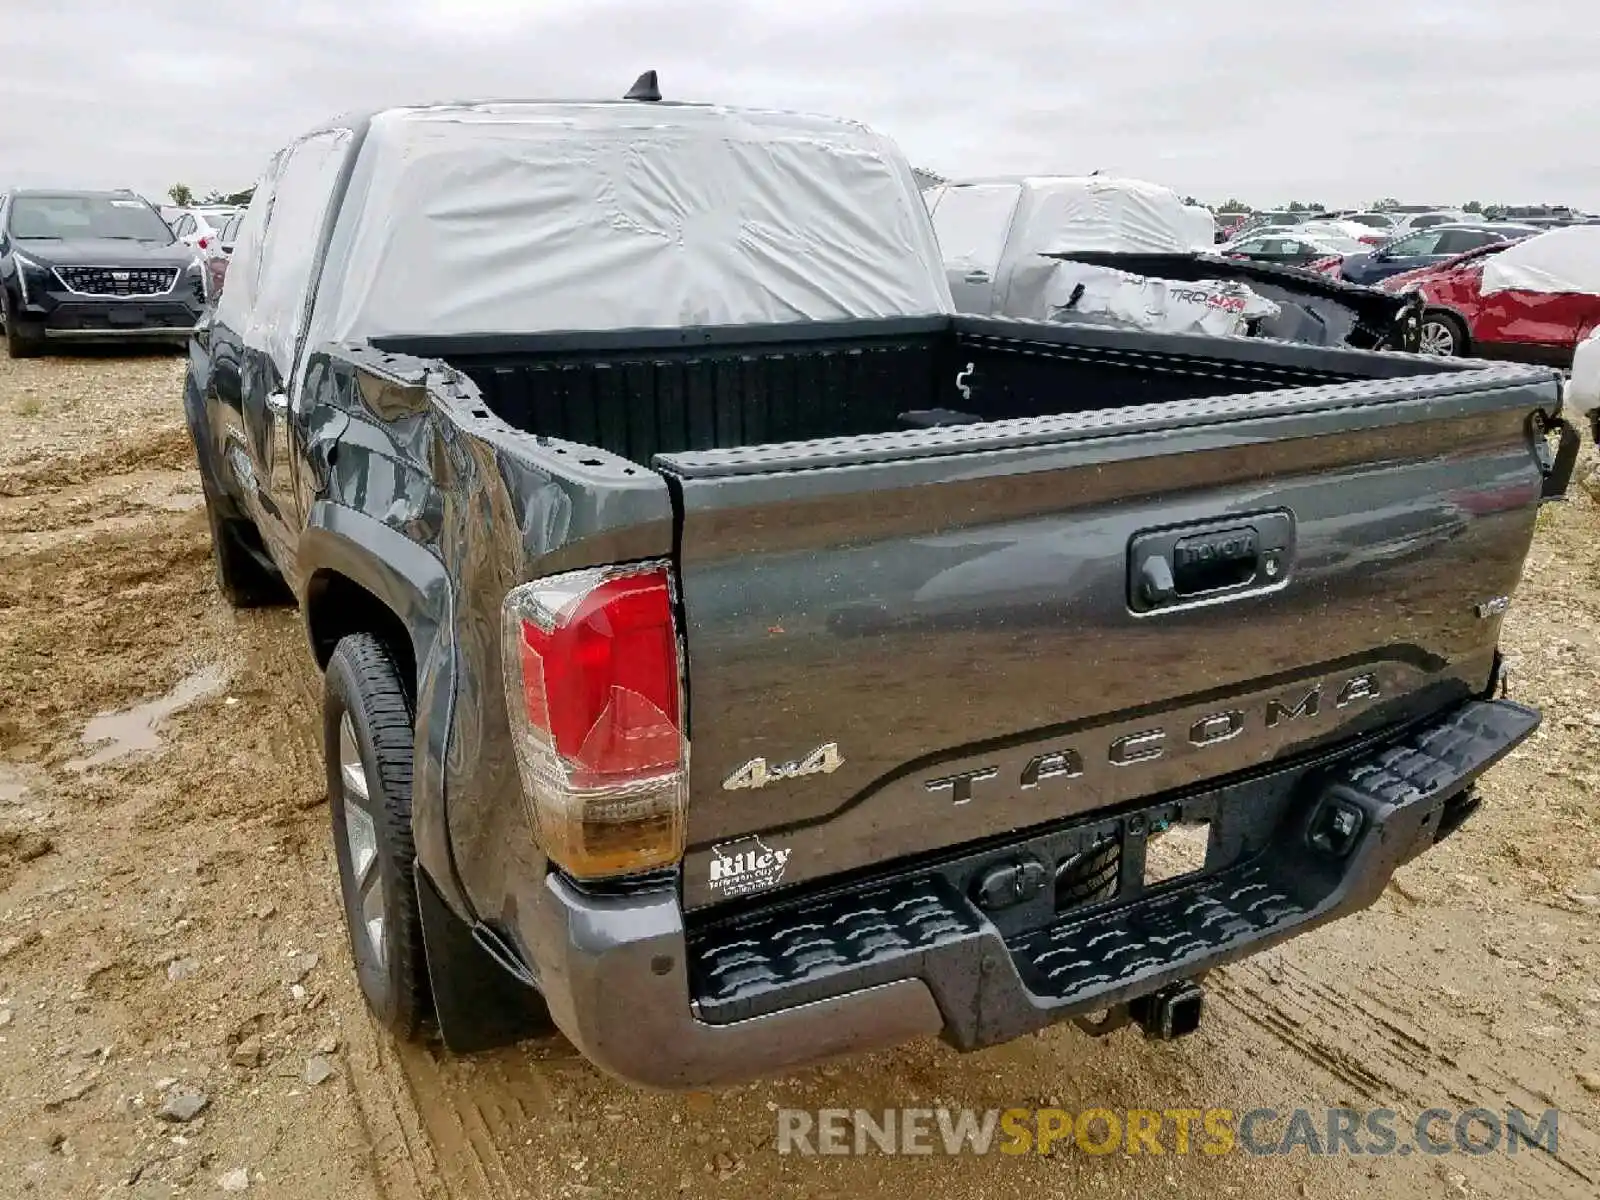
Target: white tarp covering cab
537,217
1559,260
1102,295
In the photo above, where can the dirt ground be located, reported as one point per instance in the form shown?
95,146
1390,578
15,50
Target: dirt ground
171,945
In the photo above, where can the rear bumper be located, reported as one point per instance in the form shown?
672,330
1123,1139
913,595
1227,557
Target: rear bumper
661,1005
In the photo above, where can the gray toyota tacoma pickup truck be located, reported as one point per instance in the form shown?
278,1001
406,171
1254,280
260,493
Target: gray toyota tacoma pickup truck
1030,670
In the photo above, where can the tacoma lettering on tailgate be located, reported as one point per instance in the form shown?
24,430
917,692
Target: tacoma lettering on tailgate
1146,745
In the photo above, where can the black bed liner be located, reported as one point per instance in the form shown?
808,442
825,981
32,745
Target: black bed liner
641,393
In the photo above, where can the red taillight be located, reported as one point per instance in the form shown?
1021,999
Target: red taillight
1374,239
593,683
603,683
1328,266
205,242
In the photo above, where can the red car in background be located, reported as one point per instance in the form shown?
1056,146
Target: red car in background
1543,298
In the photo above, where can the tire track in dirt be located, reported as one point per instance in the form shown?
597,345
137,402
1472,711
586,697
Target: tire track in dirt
1384,1058
140,450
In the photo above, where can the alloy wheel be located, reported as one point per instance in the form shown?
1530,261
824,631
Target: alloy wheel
1438,338
361,842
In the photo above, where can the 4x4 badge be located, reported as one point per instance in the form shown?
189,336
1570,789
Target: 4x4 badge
756,773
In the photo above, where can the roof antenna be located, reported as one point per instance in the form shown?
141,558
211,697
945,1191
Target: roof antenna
644,88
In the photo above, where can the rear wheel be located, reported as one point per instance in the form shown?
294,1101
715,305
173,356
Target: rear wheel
368,741
1443,335
21,342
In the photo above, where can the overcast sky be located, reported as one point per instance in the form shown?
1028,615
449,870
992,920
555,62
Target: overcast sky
1342,101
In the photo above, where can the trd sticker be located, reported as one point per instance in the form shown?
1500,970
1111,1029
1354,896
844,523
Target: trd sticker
748,865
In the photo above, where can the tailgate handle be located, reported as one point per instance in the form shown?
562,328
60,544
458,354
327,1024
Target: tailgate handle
1210,562
1173,567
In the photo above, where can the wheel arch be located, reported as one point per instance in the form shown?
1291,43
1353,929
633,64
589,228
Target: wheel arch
337,606
362,576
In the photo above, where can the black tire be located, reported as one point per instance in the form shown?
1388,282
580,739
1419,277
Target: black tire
364,682
245,575
19,343
1452,329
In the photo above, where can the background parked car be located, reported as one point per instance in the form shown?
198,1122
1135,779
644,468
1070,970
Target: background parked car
1427,247
1380,226
1229,223
220,253
93,266
1545,216
1404,281
1015,246
1274,219
201,227
1413,221
1341,227
1291,248
1531,300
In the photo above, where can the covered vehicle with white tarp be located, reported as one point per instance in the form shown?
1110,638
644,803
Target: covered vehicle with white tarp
1024,246
1533,300
1202,226
994,233
1561,260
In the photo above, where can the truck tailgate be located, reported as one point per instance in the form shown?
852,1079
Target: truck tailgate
902,643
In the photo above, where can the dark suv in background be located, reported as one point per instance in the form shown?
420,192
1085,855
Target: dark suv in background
1426,247
93,266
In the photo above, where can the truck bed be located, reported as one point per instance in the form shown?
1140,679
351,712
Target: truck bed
901,641
639,393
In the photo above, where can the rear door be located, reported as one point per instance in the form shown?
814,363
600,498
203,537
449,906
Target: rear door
302,192
902,644
972,222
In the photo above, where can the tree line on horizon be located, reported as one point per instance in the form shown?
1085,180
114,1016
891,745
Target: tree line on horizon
182,195
1387,204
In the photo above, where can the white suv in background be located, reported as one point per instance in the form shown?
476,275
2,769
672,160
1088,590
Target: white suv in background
201,227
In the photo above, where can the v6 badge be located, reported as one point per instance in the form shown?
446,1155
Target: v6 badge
757,773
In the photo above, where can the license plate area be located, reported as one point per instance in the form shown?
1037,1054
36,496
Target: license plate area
1111,860
1175,852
